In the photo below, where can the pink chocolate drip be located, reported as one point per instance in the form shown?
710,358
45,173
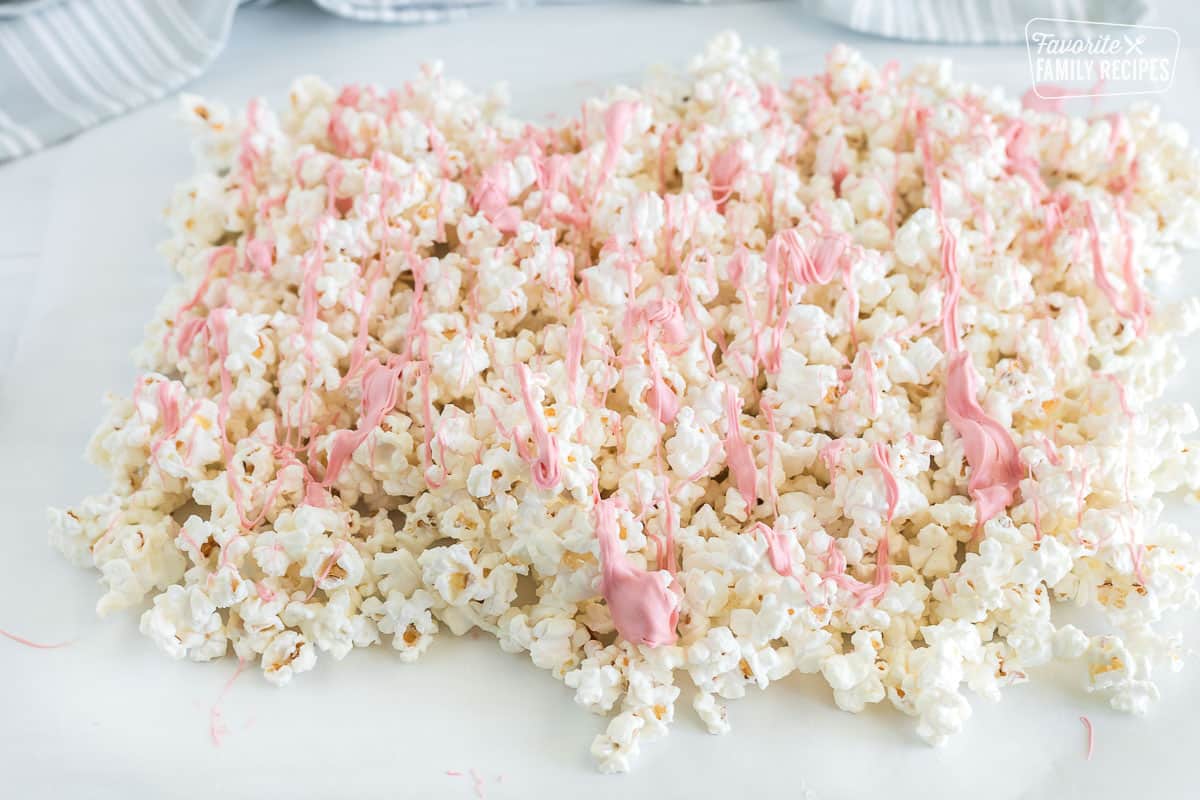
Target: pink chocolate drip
664,142
1020,162
872,385
663,399
787,254
545,468
772,434
669,522
1138,310
835,570
333,183
995,461
1051,450
260,254
1037,513
432,435
950,332
643,609
30,643
883,460
574,356
172,419
188,330
380,391
340,135
777,548
665,314
786,257
725,168
737,452
1122,396
616,128
216,724
248,154
831,454
490,198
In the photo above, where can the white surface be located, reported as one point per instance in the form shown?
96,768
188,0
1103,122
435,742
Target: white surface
109,716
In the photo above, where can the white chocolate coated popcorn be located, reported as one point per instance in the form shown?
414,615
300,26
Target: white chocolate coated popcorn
854,375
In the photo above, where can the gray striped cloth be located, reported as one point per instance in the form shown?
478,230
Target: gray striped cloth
66,65
403,11
968,21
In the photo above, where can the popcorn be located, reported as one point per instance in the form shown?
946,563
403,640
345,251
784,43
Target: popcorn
853,676
711,713
288,655
598,684
408,619
856,376
617,748
185,623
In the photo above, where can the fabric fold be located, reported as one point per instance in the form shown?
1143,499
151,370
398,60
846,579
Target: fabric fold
69,65
968,21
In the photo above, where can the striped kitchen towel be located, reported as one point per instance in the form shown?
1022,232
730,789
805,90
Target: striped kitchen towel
66,65
403,11
968,21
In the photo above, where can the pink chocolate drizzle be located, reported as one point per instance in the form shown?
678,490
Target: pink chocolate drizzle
643,609
574,356
996,467
737,452
216,721
545,467
777,548
1136,309
380,388
993,456
724,170
30,643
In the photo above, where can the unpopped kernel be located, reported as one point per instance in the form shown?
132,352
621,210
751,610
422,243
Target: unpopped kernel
727,378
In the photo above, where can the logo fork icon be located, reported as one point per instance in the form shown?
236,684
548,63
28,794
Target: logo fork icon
1134,46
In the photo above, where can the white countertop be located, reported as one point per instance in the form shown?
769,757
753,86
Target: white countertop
110,716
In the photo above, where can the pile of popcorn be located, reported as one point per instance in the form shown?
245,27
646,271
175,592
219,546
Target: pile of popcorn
724,379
